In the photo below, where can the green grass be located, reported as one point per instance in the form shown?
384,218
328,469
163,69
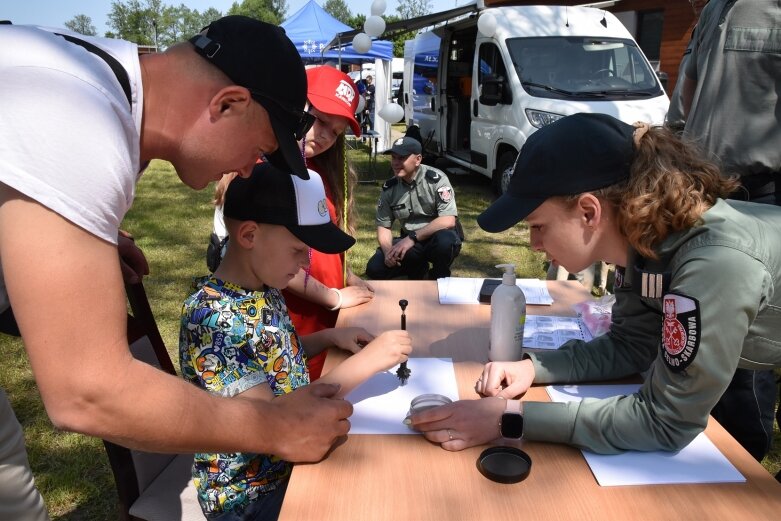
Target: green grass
171,224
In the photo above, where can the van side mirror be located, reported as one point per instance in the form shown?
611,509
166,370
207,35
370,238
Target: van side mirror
492,90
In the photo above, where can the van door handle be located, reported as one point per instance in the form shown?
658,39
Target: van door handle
474,108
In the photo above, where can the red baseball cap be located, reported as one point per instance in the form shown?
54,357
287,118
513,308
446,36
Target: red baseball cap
333,92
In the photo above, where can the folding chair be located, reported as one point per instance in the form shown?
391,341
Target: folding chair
151,486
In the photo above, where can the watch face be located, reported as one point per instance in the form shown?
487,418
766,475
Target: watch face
512,425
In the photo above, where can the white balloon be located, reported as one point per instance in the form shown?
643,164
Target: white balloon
392,113
362,43
378,7
374,26
361,104
486,24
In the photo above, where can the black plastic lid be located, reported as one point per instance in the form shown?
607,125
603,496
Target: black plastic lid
504,464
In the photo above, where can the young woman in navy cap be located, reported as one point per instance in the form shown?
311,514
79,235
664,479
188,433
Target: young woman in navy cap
696,290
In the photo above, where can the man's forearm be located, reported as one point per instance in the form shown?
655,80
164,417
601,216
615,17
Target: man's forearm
384,239
687,94
89,380
445,222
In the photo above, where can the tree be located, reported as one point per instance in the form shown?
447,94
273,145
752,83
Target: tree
176,24
280,7
399,39
412,8
155,23
356,21
208,16
270,11
132,21
339,10
82,24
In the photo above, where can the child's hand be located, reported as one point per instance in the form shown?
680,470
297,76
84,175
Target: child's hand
387,350
350,339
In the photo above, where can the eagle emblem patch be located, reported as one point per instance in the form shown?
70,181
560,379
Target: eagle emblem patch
681,331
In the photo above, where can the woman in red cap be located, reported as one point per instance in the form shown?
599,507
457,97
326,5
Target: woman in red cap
314,297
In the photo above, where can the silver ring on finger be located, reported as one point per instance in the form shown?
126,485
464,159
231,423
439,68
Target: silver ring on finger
450,435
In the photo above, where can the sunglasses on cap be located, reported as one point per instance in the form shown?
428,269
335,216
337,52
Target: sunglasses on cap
304,119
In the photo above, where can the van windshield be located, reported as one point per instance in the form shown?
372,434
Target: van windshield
582,68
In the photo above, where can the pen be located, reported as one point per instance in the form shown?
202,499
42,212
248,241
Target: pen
403,371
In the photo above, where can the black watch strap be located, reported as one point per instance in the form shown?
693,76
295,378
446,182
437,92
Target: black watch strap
413,235
511,423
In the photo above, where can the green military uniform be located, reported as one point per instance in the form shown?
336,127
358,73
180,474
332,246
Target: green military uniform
414,205
707,306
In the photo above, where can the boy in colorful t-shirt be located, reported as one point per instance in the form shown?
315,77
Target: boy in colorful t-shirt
236,337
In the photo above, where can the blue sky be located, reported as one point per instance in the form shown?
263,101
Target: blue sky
55,13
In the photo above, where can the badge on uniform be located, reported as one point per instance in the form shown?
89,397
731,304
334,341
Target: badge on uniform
620,278
681,331
445,193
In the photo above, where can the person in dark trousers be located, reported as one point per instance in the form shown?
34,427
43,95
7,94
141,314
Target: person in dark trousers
730,102
421,198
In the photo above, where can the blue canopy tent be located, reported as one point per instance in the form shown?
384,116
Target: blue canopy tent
311,28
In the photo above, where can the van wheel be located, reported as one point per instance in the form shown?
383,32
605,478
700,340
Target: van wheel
503,172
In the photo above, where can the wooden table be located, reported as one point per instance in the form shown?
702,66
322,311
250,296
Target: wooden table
397,477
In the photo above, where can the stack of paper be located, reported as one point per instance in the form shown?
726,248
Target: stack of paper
698,462
463,290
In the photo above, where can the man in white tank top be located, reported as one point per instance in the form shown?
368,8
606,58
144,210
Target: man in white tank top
78,123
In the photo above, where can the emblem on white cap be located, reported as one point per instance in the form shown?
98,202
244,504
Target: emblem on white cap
310,200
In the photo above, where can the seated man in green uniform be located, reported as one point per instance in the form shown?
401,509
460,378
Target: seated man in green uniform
421,199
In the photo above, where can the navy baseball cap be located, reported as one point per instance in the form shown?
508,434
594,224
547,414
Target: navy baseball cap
405,146
272,196
261,58
573,155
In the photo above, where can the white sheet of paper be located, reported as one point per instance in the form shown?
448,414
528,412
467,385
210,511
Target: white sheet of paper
550,332
380,404
698,462
466,290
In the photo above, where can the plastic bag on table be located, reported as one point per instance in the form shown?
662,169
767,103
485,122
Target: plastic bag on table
596,314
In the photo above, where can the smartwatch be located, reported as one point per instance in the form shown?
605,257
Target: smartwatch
511,423
413,235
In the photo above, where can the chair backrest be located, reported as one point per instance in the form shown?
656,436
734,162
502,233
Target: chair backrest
135,470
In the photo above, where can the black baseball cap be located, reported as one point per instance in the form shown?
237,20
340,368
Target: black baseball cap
405,146
573,155
272,196
261,58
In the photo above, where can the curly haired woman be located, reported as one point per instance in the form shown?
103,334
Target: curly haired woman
695,289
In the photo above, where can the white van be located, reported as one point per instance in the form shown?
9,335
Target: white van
476,98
